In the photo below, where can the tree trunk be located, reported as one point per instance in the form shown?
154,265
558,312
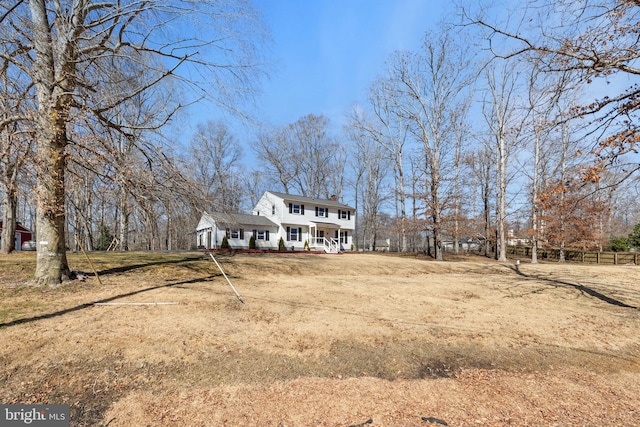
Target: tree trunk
501,242
51,265
123,221
52,92
487,216
9,221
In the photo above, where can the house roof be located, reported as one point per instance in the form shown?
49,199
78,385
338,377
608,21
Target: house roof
310,200
237,219
19,228
332,224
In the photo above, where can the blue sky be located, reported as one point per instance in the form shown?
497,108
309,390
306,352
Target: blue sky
326,53
323,56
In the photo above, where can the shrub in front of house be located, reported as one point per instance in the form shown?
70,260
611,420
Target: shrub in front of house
252,243
281,244
225,243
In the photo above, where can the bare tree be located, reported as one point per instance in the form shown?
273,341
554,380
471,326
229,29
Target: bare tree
388,127
481,164
594,41
303,157
461,135
544,93
371,166
62,47
429,87
505,123
214,156
15,146
16,137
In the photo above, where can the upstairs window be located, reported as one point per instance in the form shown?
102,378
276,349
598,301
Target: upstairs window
295,208
344,214
322,212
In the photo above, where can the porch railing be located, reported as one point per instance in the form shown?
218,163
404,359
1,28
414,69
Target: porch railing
331,246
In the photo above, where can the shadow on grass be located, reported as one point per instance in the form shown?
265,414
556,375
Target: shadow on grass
584,289
125,268
89,304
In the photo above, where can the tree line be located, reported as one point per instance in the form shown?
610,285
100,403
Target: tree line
498,125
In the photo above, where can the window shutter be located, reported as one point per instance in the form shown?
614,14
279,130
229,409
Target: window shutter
300,234
290,207
266,235
301,209
242,234
255,234
227,233
316,211
326,213
288,233
339,214
349,215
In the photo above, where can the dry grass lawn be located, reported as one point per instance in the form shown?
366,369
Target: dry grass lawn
324,340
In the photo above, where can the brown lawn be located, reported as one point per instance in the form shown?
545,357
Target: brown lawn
324,340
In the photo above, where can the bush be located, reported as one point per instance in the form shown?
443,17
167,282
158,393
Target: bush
281,244
104,239
634,237
620,244
306,245
225,243
252,243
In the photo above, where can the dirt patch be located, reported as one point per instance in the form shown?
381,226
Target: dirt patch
324,340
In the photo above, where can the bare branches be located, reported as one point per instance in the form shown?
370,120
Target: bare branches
590,41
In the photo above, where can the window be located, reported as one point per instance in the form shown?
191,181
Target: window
294,234
237,233
323,212
296,209
261,234
344,214
343,237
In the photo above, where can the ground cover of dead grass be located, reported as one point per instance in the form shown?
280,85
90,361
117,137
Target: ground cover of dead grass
324,340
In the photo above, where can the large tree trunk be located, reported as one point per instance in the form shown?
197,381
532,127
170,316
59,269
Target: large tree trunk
51,266
53,91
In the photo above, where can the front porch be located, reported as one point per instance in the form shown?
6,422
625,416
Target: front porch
320,237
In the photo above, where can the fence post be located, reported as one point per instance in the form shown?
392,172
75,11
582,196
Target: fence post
597,257
615,258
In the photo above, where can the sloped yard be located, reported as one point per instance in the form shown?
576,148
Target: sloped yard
327,340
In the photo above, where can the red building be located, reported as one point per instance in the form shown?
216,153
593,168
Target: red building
22,235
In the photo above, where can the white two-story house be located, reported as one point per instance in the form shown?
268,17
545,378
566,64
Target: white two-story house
301,222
